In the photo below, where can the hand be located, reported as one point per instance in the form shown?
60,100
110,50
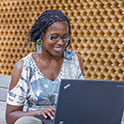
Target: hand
48,112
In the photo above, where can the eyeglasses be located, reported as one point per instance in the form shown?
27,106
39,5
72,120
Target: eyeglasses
57,38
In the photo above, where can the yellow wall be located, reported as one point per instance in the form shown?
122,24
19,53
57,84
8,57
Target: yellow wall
97,33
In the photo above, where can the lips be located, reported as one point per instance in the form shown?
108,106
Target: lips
58,49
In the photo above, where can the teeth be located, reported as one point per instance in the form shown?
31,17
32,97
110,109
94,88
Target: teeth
58,48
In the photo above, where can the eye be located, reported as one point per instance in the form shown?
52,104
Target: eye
54,37
66,38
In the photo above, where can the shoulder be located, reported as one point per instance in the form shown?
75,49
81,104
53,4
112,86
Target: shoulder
79,57
16,74
80,61
27,61
20,66
28,57
74,56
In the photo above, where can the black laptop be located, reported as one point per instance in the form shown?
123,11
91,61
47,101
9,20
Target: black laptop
90,102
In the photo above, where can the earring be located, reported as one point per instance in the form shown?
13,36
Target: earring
39,45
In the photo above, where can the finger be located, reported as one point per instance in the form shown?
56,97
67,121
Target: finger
53,113
52,107
48,112
43,113
51,110
50,115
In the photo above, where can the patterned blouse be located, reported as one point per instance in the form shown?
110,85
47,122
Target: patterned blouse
35,90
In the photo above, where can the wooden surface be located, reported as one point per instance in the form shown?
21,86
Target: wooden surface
4,83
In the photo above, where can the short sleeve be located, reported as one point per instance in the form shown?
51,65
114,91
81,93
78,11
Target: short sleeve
18,95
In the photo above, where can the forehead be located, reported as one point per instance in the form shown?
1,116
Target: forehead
59,26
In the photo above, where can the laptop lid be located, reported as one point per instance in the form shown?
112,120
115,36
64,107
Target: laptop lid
90,102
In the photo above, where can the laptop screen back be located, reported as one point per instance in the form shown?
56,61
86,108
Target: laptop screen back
90,102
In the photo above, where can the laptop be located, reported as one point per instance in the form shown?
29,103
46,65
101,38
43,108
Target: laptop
90,102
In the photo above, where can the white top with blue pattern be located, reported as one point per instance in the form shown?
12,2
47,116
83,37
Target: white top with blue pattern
34,89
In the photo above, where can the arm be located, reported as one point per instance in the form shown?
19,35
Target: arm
14,112
80,62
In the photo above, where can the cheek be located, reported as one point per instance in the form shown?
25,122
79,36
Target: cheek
44,38
46,41
47,45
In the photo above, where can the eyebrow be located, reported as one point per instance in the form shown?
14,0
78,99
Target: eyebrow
58,34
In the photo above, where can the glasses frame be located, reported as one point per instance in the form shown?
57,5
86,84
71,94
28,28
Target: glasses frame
50,36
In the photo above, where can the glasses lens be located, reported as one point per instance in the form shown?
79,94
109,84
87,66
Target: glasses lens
55,38
66,38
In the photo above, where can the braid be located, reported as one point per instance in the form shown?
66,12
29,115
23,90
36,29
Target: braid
44,21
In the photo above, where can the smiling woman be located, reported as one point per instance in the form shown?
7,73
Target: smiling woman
36,78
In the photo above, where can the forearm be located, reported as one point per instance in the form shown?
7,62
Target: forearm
13,116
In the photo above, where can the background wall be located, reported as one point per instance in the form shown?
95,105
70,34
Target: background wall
97,33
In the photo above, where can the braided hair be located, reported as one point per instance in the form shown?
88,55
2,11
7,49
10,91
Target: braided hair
46,19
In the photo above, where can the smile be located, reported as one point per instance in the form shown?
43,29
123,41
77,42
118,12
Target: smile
58,49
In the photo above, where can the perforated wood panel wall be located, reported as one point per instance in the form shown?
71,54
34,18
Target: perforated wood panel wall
97,33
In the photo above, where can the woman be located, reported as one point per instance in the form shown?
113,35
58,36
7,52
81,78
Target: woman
36,77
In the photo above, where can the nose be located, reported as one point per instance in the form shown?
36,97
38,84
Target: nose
60,42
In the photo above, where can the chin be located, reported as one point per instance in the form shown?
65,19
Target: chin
58,53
